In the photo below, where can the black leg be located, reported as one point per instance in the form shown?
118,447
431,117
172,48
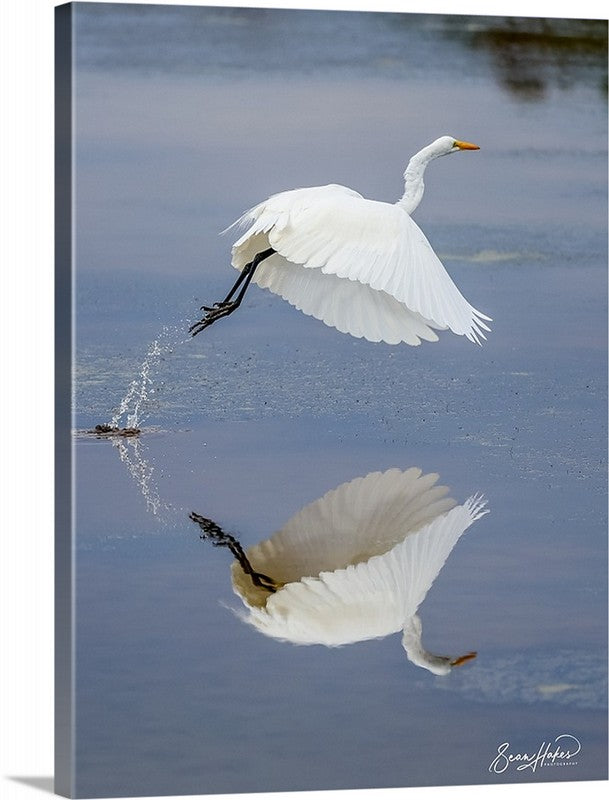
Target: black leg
213,533
228,305
242,276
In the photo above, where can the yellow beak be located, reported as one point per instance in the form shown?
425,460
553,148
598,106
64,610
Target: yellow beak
466,146
462,659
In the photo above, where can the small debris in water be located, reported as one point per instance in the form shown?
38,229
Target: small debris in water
114,430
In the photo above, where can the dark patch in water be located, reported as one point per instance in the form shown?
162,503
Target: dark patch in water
113,430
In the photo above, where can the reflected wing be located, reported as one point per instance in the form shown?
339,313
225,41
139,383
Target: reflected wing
370,599
334,229
348,525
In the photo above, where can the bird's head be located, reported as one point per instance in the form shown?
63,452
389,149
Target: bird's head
448,144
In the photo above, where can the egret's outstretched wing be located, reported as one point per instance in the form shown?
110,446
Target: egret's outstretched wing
336,230
368,600
348,525
349,306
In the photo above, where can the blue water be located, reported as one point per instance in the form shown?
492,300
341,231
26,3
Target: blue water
185,118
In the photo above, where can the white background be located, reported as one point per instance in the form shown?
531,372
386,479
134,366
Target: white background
26,295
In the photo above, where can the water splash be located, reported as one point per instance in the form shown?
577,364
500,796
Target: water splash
135,406
131,453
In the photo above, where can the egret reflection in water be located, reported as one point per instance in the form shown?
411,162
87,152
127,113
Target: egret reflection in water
354,565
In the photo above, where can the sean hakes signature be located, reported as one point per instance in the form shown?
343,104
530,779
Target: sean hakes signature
559,753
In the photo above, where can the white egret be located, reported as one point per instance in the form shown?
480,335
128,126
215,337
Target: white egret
361,266
354,565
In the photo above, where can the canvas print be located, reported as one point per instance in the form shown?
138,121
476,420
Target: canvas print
331,400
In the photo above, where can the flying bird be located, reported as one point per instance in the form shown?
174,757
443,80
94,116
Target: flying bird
361,266
354,565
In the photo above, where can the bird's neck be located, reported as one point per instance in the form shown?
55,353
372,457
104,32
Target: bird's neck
413,180
411,642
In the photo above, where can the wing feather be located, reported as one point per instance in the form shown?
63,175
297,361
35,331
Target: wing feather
370,599
349,306
336,230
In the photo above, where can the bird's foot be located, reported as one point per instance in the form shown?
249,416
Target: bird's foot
212,313
211,529
213,533
219,304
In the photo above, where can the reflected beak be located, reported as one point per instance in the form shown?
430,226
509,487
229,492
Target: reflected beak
462,659
466,146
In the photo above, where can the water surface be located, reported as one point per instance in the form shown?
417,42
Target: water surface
185,118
